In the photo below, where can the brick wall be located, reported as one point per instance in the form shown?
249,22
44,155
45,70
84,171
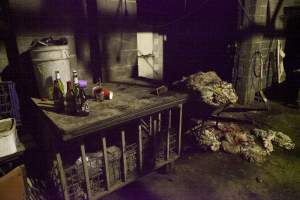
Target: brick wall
114,38
259,32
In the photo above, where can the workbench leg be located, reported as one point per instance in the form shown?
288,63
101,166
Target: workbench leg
140,150
124,166
106,170
150,125
62,177
179,129
86,172
168,135
154,143
159,122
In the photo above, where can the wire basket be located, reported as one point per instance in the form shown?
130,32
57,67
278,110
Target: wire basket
163,145
131,159
75,179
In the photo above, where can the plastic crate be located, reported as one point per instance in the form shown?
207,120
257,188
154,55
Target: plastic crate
9,101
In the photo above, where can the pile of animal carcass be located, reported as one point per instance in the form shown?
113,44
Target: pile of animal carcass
254,145
211,88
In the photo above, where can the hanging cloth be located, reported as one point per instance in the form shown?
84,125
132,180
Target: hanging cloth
280,67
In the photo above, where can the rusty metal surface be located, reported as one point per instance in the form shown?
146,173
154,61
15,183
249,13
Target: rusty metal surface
129,102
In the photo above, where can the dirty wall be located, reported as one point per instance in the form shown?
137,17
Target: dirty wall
101,33
262,24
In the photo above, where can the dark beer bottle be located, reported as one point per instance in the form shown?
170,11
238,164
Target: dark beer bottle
81,103
84,104
70,100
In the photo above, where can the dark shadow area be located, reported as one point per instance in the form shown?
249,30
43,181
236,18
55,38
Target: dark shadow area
199,36
136,190
95,53
288,91
23,75
292,49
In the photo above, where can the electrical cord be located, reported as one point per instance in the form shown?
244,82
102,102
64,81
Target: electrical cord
261,63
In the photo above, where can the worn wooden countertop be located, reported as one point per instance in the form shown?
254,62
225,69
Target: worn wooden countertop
129,102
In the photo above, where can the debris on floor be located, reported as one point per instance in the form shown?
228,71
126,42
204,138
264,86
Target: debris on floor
254,153
276,137
254,145
211,139
212,89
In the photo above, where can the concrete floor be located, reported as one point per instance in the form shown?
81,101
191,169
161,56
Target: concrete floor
221,176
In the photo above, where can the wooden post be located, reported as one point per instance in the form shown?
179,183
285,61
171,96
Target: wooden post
62,176
86,172
140,149
159,122
124,156
168,135
154,142
151,125
179,129
106,171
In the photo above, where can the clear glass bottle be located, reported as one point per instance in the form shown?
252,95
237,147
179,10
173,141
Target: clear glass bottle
58,93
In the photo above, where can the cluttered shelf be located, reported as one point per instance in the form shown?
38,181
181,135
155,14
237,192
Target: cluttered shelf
129,102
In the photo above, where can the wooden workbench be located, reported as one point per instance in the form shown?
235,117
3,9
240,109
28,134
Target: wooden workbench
129,103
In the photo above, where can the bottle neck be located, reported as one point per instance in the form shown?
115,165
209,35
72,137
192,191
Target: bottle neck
100,83
69,86
55,83
75,79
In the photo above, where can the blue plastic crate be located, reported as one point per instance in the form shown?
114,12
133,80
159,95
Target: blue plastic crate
9,101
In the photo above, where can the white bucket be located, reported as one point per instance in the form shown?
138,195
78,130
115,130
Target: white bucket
46,60
8,137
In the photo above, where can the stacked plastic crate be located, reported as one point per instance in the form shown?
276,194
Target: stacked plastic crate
9,102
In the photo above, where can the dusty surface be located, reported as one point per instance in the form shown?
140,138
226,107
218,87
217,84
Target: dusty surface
129,102
221,176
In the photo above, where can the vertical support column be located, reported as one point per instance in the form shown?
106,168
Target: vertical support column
168,135
140,149
151,125
154,143
106,171
124,156
179,129
159,122
85,170
62,176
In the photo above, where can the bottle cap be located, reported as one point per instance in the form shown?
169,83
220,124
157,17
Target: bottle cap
57,75
82,83
69,84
